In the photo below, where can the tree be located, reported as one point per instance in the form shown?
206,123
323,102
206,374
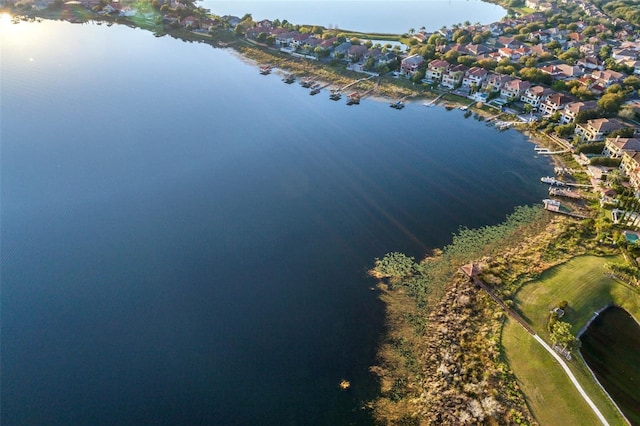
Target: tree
610,102
561,336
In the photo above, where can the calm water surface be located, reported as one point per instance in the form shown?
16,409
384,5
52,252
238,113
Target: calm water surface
382,16
185,241
611,348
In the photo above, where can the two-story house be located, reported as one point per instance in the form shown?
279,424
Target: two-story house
474,77
514,89
554,103
436,69
453,76
615,147
534,95
572,109
597,129
410,65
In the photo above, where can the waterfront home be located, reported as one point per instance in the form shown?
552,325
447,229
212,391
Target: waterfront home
299,40
495,82
410,65
572,109
534,95
356,52
474,76
514,89
596,130
190,22
436,69
630,163
285,39
452,77
554,103
387,58
615,147
341,50
328,43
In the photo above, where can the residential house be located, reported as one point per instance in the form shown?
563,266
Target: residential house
356,52
534,95
514,89
298,40
554,103
341,50
452,77
495,82
387,58
410,65
539,50
478,49
514,54
597,129
328,43
474,76
615,147
590,63
509,42
624,54
436,69
607,77
285,39
572,109
630,164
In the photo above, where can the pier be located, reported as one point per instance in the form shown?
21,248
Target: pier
433,101
355,82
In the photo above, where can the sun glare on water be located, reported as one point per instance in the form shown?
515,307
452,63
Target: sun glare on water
14,32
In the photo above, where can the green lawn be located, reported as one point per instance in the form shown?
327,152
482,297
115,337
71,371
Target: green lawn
581,282
550,395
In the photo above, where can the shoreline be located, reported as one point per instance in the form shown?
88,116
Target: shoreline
241,48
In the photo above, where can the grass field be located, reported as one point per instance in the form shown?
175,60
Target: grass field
582,282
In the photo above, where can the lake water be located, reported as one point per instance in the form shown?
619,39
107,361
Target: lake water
611,348
185,241
395,17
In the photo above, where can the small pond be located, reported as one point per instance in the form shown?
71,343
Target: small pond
611,348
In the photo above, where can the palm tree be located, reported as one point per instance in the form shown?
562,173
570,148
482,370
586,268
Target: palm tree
412,31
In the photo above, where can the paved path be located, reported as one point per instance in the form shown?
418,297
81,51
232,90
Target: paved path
471,271
566,369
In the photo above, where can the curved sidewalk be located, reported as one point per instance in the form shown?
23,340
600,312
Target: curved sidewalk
566,369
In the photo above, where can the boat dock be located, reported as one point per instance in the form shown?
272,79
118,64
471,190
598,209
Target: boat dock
265,69
564,192
433,101
355,82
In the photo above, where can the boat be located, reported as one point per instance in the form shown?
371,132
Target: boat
335,94
353,98
551,181
397,105
289,78
306,82
315,91
265,69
